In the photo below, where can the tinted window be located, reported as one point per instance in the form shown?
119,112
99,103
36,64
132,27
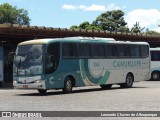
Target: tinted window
69,50
135,51
84,50
98,51
108,50
111,50
123,50
53,49
114,51
52,58
155,55
144,50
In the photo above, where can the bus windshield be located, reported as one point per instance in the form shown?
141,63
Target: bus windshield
28,60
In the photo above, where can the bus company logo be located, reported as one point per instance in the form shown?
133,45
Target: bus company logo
51,80
6,114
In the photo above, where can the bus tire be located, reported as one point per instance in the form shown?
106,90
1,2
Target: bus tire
129,81
68,85
155,76
42,91
104,87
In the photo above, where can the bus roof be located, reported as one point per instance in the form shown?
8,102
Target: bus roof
67,39
78,39
155,49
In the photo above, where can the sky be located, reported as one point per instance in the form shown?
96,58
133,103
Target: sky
65,13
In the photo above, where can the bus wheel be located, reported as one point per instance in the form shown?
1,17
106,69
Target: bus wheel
68,85
42,91
104,87
155,76
129,81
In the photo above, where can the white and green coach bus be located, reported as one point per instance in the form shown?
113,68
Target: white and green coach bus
64,63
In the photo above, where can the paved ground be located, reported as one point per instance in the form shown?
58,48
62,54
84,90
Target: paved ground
144,96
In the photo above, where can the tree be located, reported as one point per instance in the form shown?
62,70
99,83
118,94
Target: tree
74,27
123,29
10,14
111,21
136,28
86,26
152,32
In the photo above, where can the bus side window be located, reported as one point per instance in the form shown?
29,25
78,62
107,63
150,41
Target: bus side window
123,50
108,50
84,51
69,50
114,51
135,51
144,51
155,56
98,51
52,59
111,51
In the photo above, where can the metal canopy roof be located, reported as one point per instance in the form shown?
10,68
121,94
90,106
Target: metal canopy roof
14,34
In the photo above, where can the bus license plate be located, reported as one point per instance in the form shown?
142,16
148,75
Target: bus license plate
25,86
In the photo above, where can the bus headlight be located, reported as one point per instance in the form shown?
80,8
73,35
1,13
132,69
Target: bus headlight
37,81
14,81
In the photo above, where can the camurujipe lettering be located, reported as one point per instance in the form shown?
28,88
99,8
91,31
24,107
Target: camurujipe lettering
125,64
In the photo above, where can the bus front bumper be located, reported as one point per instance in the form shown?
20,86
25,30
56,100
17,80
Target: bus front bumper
38,85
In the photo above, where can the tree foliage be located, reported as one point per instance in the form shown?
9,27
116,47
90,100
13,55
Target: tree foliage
108,21
86,26
10,14
111,21
152,32
136,28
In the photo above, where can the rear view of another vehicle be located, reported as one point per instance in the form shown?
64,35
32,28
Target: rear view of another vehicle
155,63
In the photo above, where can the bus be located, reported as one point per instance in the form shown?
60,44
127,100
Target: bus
1,67
155,63
64,63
